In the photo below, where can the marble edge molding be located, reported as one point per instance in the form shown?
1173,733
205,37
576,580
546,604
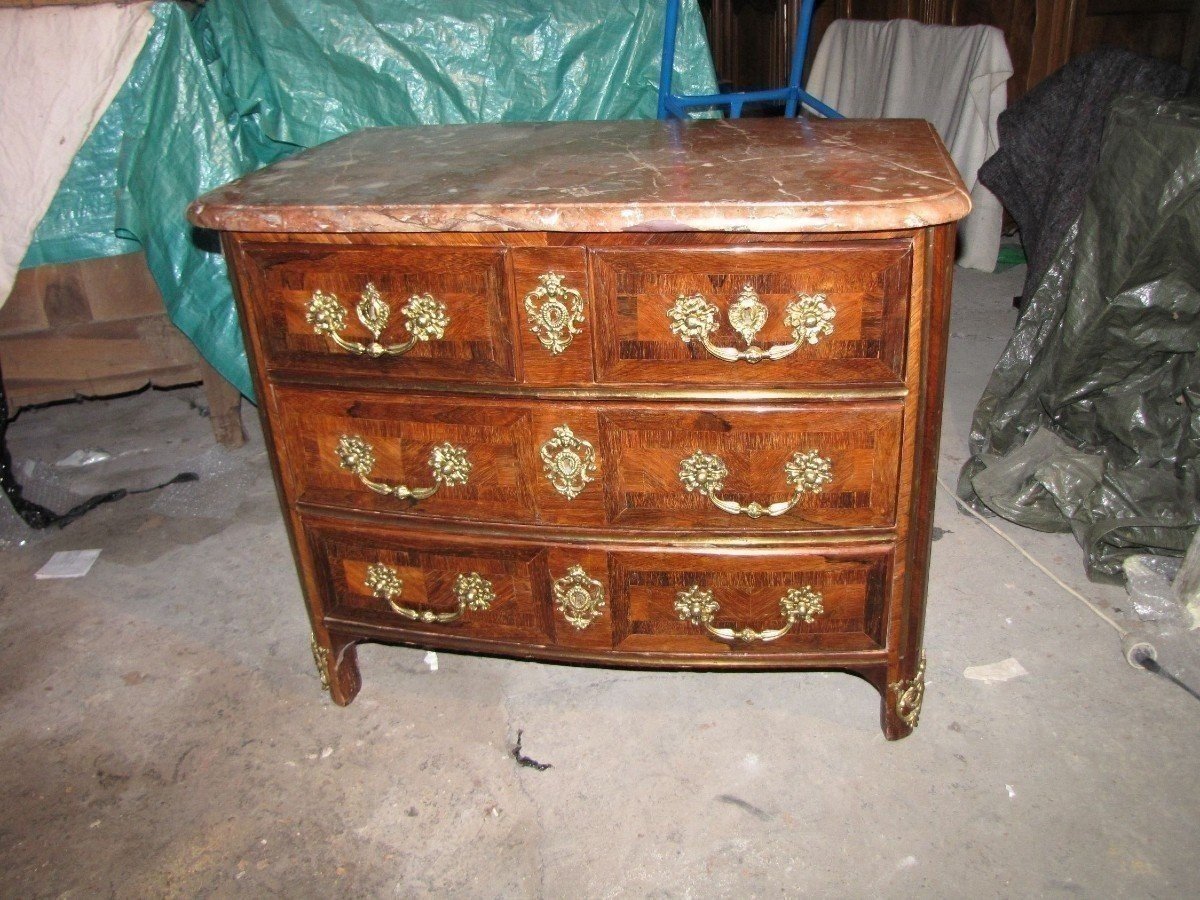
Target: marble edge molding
940,199
844,216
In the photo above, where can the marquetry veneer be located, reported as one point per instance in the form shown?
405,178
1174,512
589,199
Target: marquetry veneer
639,394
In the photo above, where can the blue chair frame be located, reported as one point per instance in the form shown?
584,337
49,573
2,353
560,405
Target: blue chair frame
794,97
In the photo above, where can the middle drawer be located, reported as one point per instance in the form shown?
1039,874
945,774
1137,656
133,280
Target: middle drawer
667,466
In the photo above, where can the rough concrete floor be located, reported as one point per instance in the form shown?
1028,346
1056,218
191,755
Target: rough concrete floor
163,733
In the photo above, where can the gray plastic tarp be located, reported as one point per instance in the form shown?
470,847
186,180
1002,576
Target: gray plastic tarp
1091,419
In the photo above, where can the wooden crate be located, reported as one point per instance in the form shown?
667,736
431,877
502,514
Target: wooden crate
98,327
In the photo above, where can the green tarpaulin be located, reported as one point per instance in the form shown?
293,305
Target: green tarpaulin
247,82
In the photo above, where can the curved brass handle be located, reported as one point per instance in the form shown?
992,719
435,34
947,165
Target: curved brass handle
807,473
449,464
425,318
809,316
696,605
472,591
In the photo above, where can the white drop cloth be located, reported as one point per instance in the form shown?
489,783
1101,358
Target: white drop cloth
953,76
62,68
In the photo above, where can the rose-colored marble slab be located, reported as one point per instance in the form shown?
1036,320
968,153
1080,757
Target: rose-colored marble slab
762,175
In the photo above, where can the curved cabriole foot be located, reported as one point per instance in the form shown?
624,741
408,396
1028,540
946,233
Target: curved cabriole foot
337,667
894,727
900,701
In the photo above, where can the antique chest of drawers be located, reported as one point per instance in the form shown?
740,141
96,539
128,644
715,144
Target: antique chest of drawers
620,393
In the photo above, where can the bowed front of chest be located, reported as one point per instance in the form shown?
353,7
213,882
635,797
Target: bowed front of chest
607,393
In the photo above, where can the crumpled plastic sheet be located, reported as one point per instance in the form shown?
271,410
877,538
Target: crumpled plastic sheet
1150,581
243,84
1090,420
41,485
225,477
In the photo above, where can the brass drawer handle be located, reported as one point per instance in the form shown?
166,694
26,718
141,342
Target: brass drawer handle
696,605
555,312
809,316
424,316
472,591
450,467
806,472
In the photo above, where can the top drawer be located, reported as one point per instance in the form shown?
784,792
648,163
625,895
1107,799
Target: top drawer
378,311
709,313
819,315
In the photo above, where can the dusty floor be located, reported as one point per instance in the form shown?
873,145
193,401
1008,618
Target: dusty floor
163,733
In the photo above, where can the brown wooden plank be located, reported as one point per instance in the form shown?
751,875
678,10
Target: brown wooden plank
96,359
91,290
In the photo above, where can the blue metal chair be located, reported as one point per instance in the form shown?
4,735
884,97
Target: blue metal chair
794,97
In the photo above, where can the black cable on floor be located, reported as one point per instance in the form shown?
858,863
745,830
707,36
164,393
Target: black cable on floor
1140,655
37,516
1150,664
87,398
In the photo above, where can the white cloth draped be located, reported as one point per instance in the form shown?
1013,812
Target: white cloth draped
955,77
62,68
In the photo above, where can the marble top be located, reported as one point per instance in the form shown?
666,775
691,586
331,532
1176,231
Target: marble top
763,175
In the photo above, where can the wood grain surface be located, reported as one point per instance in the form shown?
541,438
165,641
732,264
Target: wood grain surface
637,452
631,402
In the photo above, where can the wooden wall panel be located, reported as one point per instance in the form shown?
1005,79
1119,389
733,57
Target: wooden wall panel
1042,35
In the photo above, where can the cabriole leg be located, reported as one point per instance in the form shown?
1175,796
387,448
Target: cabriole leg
901,701
337,665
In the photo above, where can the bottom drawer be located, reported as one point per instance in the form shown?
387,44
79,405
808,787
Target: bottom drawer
604,601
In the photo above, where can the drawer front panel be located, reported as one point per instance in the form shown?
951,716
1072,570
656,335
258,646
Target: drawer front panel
441,313
756,601
407,581
555,314
794,468
813,316
816,466
630,599
360,450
